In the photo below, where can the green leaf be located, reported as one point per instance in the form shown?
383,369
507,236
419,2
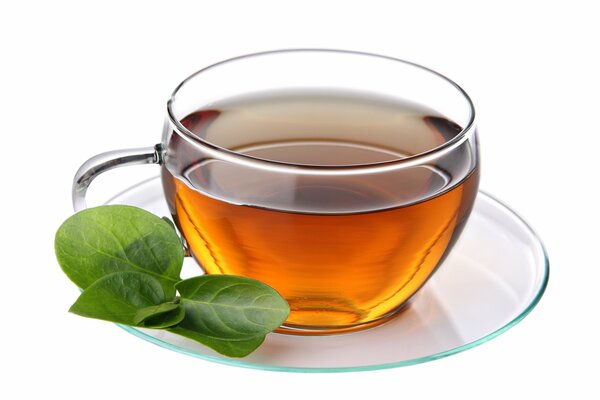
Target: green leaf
230,314
229,347
228,306
165,320
171,224
128,262
99,241
152,311
130,298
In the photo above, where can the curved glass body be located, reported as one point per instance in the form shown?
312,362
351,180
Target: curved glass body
341,179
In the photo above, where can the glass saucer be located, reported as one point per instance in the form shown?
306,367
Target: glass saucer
495,275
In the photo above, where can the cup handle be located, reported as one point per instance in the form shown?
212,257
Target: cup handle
106,161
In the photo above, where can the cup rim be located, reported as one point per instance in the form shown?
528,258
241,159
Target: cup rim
376,167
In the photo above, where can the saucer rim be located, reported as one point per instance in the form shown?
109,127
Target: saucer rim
419,360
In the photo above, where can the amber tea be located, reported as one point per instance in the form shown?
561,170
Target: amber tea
344,249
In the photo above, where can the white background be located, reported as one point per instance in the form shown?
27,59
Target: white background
79,78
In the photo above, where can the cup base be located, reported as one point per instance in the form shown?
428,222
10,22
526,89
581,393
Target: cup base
322,330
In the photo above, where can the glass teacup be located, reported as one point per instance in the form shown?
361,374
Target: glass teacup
341,179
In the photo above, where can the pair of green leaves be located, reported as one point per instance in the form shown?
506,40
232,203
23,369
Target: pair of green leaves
128,263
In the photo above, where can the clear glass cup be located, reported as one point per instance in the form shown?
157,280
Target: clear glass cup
346,243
